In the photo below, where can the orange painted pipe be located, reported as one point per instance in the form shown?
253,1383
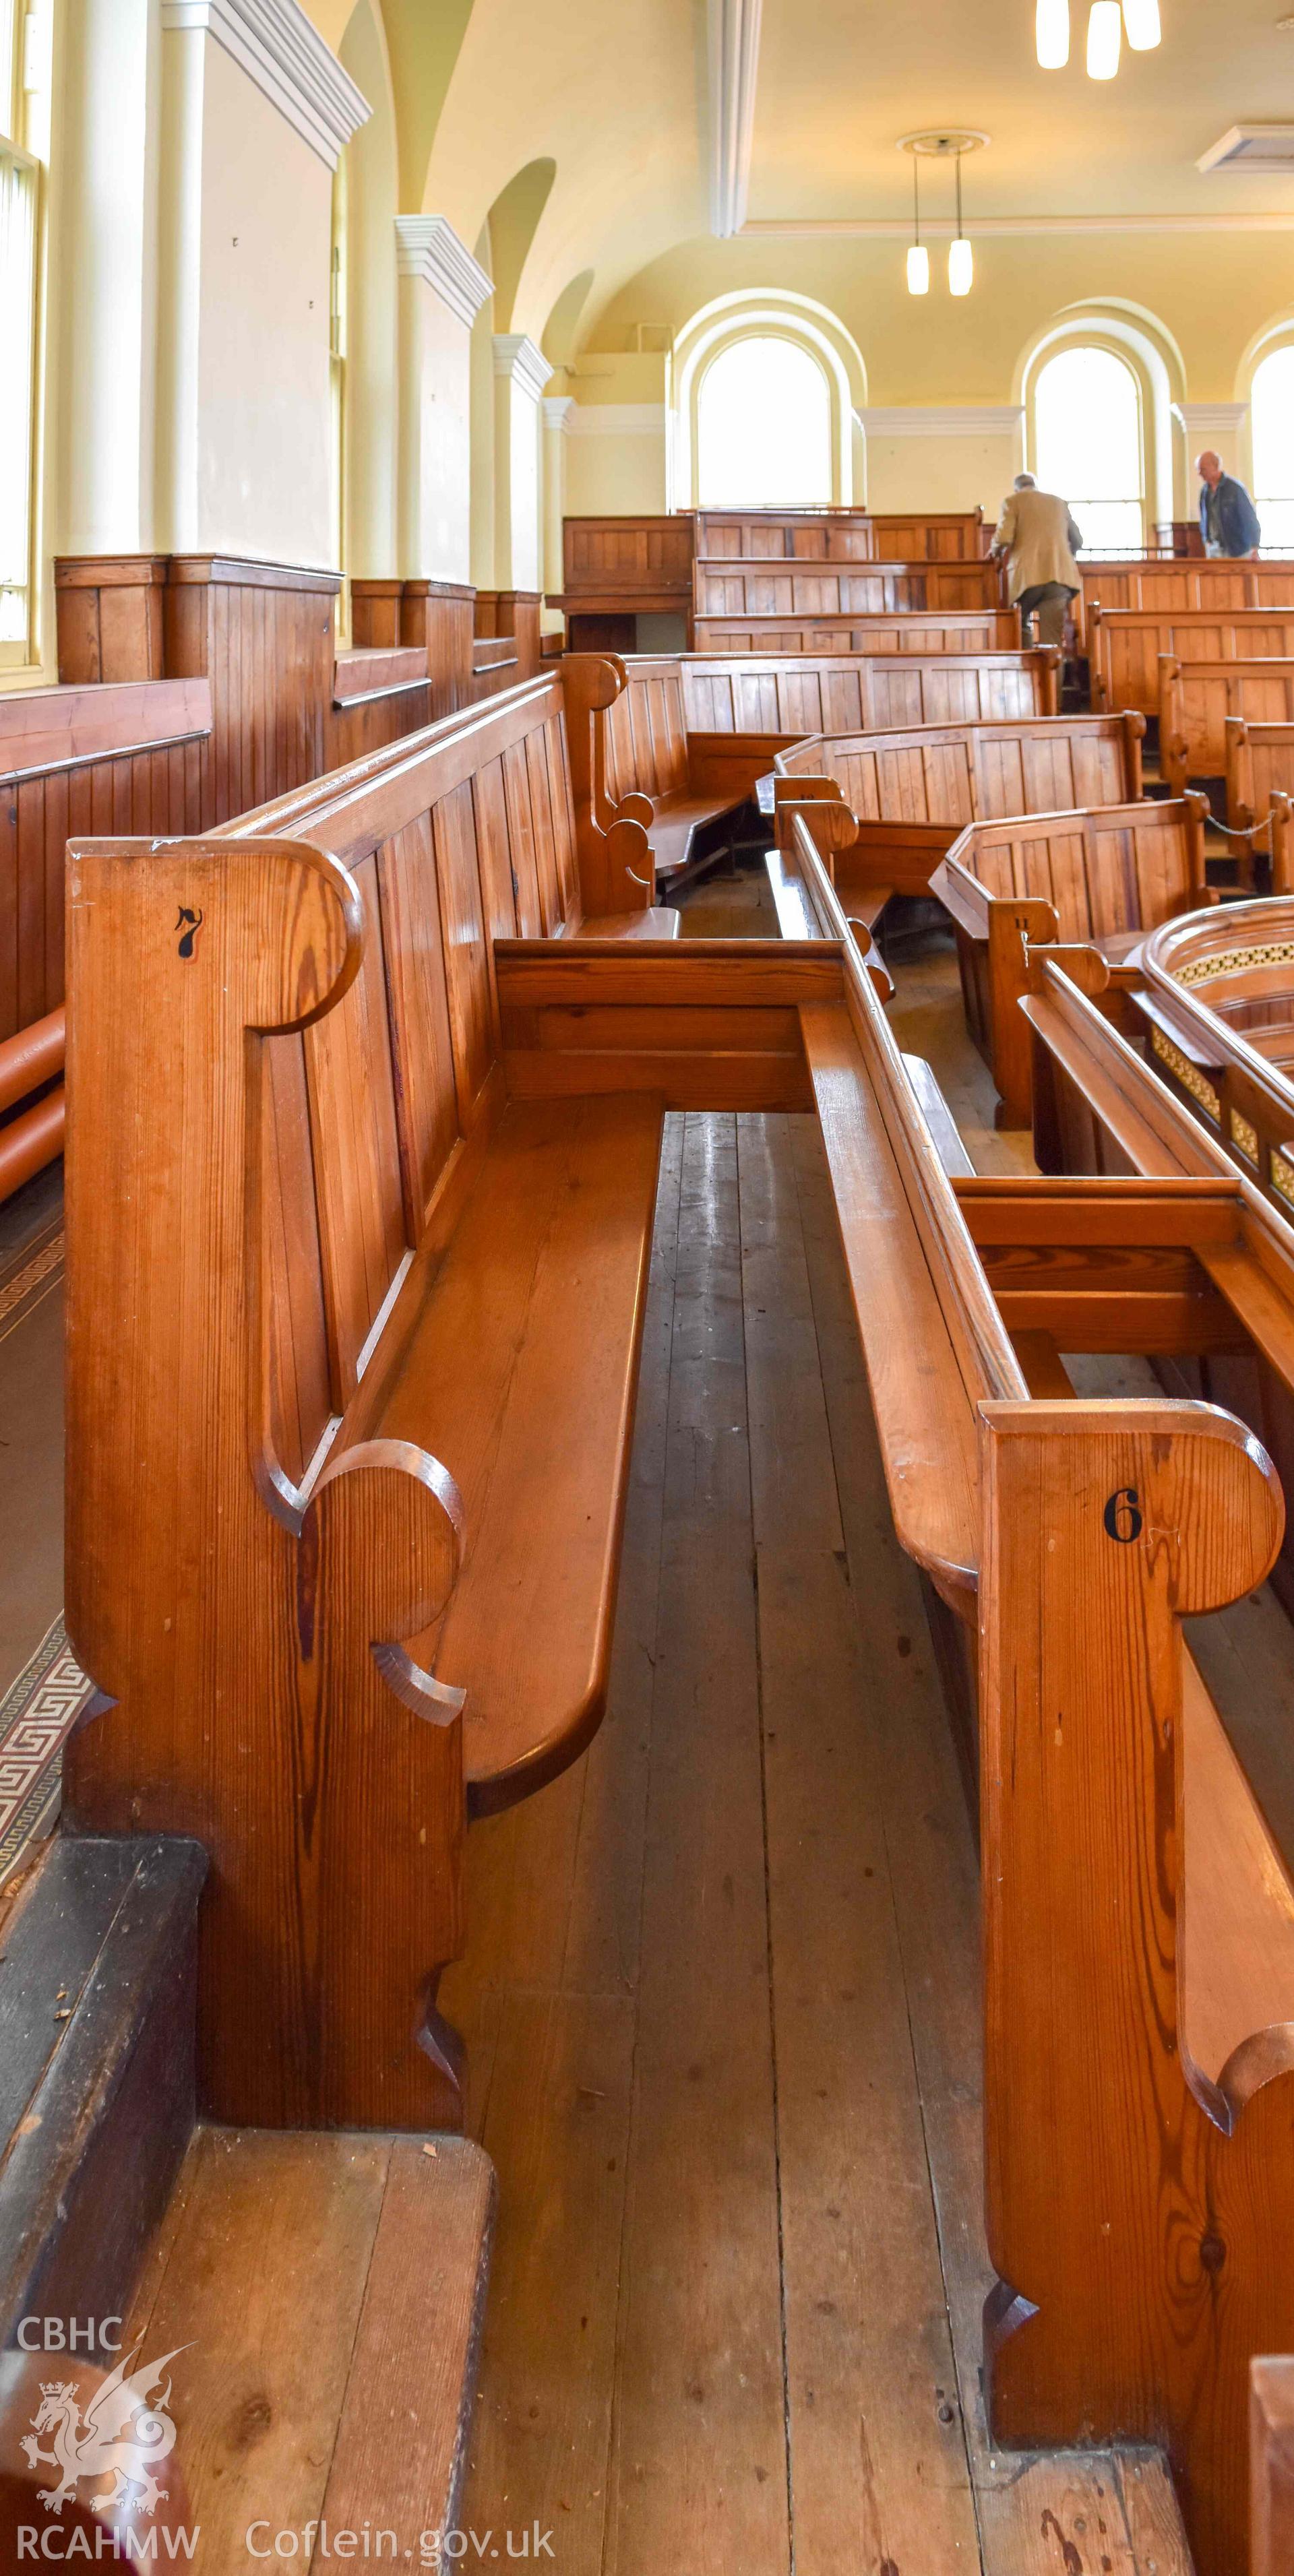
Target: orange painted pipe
32,1141
34,1056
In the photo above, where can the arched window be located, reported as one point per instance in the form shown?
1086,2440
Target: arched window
1087,445
1272,421
764,428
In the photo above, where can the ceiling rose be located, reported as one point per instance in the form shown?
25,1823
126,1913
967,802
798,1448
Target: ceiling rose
944,142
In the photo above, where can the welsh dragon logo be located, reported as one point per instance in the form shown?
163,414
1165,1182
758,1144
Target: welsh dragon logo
121,2437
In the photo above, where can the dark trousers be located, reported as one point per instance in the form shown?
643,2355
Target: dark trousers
1048,601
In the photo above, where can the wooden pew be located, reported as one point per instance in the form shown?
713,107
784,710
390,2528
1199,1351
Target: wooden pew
1197,701
983,630
350,1405
1259,774
910,793
844,535
775,586
859,693
695,733
1139,2008
1103,878
1160,583
1127,646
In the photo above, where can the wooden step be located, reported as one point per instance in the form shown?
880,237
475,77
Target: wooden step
323,2294
96,2069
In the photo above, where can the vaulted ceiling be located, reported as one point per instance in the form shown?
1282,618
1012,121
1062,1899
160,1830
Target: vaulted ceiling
669,120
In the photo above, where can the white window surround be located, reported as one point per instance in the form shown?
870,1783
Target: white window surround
1099,327
755,314
1270,412
1087,442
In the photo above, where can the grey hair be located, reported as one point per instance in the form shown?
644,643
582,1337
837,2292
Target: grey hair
1025,483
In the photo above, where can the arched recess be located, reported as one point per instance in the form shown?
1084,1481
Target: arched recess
364,329
1151,354
514,220
755,314
558,337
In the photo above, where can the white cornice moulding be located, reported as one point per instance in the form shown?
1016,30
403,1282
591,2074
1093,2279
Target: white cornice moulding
617,420
517,358
428,247
277,46
557,409
1002,227
954,420
733,52
1210,420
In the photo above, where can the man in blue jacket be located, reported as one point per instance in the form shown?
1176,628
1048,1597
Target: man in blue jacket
1228,520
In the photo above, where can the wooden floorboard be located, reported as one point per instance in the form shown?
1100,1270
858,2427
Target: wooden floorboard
723,1981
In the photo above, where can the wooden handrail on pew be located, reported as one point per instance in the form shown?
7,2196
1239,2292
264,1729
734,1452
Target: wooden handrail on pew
912,792
349,1406
1103,877
1139,1982
1160,582
1127,646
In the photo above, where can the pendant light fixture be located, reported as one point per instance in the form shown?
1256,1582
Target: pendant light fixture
1051,34
961,258
1104,39
918,255
1108,23
944,143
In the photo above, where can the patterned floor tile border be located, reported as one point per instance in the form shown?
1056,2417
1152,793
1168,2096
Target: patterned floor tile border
41,1267
36,1718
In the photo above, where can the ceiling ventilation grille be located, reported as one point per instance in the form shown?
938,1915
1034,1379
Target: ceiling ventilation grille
1251,147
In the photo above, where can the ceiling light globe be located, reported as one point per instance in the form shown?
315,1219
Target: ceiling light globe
1141,25
961,267
918,269
1051,34
1104,39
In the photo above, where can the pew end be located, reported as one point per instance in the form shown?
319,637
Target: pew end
1271,2464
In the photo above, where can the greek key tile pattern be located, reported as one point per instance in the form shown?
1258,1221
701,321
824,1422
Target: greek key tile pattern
36,1717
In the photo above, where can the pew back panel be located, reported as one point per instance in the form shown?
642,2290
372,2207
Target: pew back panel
1103,877
986,630
772,586
1199,698
1127,646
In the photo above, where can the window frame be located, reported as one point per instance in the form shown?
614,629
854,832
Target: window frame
16,652
1075,344
1276,347
717,357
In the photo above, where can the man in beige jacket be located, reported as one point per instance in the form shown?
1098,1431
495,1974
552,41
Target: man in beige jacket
1039,539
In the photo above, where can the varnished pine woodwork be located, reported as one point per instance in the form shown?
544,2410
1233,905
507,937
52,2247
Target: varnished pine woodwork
1271,2464
1198,698
773,586
1102,877
1107,2322
912,792
902,630
1127,645
337,1201
1176,581
108,610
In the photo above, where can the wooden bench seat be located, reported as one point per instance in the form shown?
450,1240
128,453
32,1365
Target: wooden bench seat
1259,772
531,1317
1139,1924
775,586
1102,878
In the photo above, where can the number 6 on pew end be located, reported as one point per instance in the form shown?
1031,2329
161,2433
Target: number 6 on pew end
1140,2268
